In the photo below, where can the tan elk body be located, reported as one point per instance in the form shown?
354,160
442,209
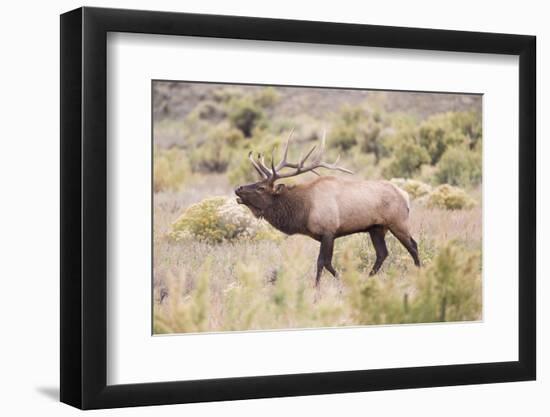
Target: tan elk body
344,206
329,207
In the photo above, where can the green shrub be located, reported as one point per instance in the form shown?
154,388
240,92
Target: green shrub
451,198
240,170
414,188
355,126
225,135
217,149
363,164
433,136
427,174
449,289
212,156
245,115
186,314
266,97
442,131
370,140
227,93
306,129
402,122
345,131
406,160
470,124
459,166
210,111
170,169
220,219
233,137
343,136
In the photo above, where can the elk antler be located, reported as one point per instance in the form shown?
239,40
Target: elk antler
261,169
300,167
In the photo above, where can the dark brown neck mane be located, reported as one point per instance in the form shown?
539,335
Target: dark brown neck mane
288,213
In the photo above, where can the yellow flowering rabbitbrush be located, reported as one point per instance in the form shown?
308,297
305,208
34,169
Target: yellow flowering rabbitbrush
220,219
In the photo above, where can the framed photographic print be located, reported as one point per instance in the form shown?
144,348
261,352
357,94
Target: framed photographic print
258,207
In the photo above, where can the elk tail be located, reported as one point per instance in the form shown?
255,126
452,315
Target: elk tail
405,196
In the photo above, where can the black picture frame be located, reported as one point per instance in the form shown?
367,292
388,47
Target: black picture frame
84,207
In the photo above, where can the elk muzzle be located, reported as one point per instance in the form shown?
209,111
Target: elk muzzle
239,191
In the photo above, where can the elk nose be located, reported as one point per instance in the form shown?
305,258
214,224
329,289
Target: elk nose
238,189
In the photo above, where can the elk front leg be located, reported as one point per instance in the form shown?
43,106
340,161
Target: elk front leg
325,258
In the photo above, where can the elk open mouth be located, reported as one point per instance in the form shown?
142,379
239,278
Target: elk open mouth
240,200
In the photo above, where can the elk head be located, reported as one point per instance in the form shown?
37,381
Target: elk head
260,195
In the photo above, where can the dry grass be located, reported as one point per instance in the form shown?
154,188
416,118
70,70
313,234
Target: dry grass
268,285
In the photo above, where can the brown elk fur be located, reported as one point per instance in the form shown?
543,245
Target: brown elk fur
330,207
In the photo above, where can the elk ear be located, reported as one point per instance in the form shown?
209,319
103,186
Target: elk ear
279,188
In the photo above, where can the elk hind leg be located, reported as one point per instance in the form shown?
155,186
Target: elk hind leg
403,235
377,235
325,258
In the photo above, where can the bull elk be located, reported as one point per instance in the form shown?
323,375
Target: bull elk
327,208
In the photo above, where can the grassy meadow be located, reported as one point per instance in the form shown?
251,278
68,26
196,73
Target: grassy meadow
217,268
